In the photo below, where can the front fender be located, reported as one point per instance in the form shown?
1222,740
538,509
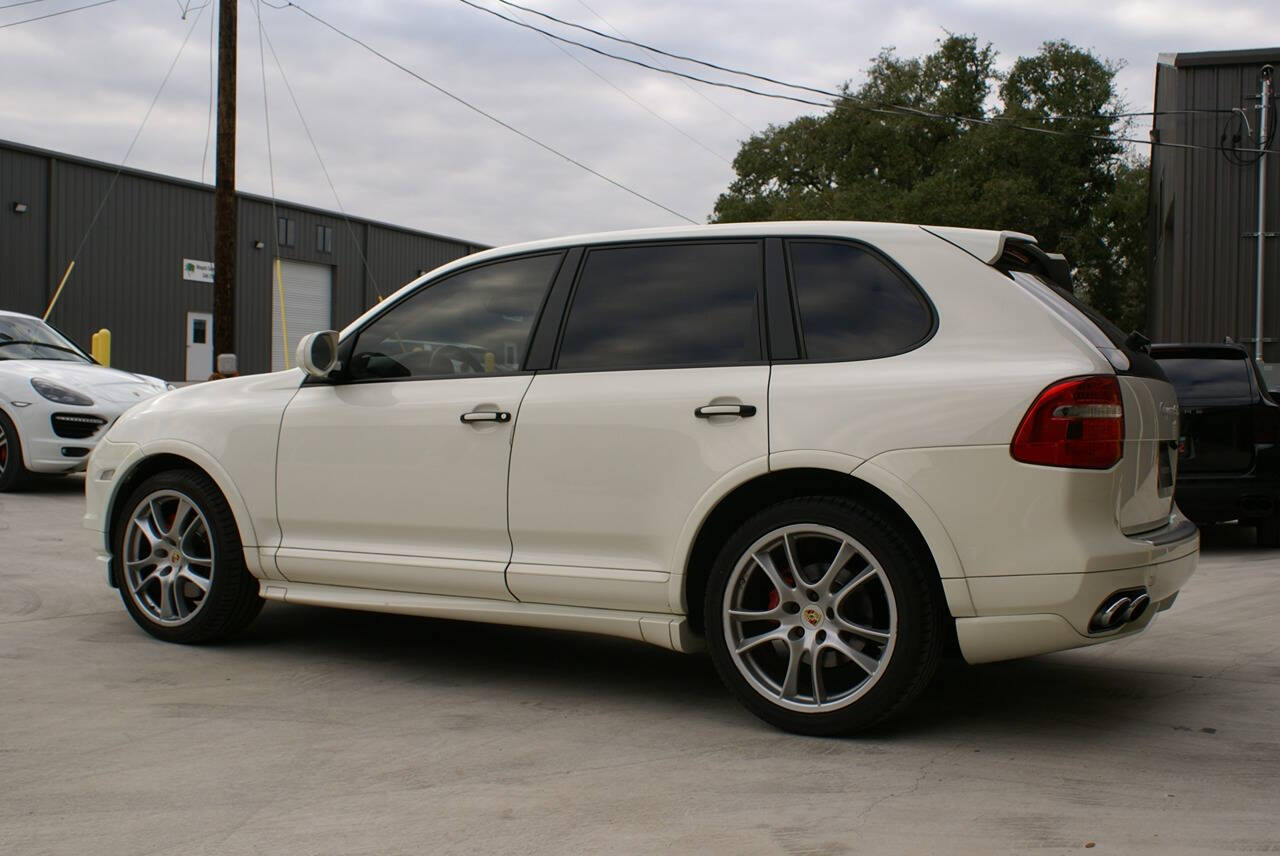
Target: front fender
202,459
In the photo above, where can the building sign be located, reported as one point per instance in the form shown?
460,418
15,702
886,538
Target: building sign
197,271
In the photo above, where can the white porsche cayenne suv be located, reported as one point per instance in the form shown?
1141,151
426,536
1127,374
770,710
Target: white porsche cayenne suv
55,401
819,450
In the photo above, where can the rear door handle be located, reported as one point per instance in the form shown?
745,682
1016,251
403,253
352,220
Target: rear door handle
486,416
706,411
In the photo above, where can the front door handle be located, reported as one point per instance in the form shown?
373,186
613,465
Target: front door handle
486,416
706,411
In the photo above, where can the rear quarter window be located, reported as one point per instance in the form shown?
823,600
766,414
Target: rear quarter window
852,304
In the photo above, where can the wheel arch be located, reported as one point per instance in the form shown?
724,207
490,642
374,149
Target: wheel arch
175,455
867,484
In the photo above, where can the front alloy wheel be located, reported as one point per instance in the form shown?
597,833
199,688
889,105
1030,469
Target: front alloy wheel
13,473
178,560
168,558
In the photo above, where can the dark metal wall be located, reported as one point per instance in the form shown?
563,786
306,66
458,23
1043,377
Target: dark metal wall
1204,208
128,276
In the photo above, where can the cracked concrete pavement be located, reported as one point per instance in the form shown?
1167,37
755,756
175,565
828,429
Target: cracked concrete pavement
323,732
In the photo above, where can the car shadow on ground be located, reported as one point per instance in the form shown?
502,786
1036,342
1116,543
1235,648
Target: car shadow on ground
561,669
51,485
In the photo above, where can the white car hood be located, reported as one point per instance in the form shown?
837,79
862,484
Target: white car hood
97,382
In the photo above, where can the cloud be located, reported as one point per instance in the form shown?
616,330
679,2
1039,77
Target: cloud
399,151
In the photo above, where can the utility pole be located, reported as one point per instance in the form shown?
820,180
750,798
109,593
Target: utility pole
1263,141
224,194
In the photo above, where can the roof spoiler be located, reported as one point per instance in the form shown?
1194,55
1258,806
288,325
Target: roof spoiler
1007,251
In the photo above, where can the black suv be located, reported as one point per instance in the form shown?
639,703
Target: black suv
1229,452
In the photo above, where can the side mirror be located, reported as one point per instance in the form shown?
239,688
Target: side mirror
317,353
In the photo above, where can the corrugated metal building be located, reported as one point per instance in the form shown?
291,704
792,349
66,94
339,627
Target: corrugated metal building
144,267
1204,207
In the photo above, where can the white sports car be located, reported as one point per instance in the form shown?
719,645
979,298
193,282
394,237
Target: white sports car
55,401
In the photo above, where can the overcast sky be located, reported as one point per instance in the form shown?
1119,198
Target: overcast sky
401,152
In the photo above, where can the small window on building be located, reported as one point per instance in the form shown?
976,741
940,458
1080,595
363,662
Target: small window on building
324,239
198,331
286,232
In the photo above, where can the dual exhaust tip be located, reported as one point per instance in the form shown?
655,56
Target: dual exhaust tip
1119,609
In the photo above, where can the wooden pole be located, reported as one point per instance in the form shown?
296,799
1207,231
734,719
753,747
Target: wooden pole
58,293
224,195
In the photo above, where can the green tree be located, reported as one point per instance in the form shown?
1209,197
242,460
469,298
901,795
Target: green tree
977,165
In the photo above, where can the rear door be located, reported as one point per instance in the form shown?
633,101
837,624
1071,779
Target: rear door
658,391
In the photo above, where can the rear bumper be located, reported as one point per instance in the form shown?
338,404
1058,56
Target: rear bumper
1021,616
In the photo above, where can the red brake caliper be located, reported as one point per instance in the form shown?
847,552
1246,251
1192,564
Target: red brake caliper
774,597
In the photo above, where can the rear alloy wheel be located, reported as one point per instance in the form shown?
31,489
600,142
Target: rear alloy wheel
178,561
13,473
819,617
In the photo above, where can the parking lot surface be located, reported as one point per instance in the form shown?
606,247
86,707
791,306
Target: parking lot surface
323,731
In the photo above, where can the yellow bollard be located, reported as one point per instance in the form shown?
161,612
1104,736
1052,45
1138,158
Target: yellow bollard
490,364
100,346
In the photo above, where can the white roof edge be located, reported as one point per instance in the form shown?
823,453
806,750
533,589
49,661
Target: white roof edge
985,245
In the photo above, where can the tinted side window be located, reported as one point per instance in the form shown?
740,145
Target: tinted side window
1208,380
474,322
853,306
672,305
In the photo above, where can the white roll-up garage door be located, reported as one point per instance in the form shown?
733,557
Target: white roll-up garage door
308,300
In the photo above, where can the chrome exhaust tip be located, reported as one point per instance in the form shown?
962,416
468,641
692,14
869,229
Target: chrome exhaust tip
1137,608
1118,609
1111,613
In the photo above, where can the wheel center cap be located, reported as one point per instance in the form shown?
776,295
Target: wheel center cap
812,616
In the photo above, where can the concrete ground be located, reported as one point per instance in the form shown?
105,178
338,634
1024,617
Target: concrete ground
338,732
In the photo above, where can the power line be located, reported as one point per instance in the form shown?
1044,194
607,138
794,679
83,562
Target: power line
625,94
798,86
687,85
271,172
116,178
334,190
642,64
488,116
20,3
55,14
889,109
208,125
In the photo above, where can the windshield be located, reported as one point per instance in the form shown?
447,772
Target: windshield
29,339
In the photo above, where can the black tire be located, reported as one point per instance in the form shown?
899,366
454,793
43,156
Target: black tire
13,472
232,599
907,584
1268,530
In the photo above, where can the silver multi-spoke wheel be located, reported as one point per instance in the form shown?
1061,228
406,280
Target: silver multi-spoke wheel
809,618
4,450
168,557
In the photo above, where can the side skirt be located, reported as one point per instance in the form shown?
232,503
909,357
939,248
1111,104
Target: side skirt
665,631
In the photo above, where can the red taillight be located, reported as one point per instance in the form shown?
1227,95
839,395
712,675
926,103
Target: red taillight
1075,423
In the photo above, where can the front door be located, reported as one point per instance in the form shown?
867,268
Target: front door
395,476
199,345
